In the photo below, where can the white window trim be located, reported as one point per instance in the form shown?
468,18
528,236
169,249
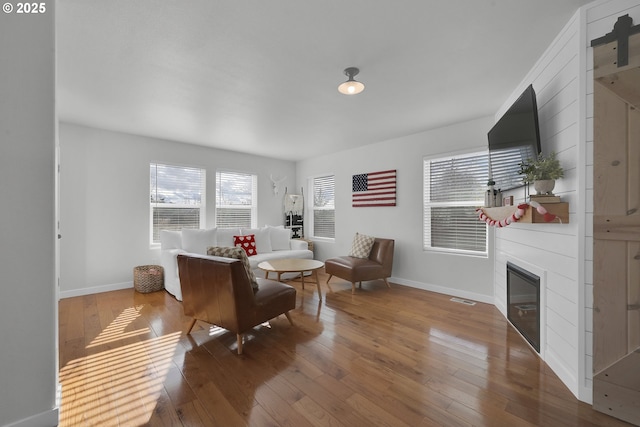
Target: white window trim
254,197
311,208
203,200
427,204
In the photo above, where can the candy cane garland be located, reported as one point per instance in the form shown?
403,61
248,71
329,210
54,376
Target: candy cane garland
542,211
519,213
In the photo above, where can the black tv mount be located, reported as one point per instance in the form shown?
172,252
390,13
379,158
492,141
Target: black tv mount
622,29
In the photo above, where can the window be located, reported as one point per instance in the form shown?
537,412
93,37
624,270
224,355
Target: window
236,200
324,216
177,198
453,188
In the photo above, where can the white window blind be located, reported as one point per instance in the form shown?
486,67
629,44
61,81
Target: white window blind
324,217
236,200
453,188
177,198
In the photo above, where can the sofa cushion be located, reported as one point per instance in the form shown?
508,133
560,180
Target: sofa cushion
262,236
361,246
224,236
235,253
198,240
170,239
280,238
247,243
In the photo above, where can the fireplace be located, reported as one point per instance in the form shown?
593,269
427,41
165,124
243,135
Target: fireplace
523,303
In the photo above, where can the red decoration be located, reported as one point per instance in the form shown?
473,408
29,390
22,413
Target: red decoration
248,243
516,215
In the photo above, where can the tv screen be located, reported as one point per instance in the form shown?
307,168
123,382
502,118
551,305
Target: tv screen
514,139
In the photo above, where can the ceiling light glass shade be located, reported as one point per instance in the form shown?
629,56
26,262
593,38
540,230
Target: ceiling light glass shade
351,86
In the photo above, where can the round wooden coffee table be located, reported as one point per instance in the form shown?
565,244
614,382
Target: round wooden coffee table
293,265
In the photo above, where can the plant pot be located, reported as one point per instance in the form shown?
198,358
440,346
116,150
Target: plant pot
544,186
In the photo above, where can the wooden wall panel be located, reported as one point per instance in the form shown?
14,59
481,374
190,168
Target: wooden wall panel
610,303
610,155
633,295
616,231
634,156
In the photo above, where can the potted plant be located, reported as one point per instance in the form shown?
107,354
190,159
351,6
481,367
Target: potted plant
542,172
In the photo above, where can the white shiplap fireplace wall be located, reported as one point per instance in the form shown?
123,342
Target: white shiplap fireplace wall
553,249
563,81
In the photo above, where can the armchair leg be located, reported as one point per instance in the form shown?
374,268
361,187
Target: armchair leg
385,281
329,278
289,318
239,336
191,325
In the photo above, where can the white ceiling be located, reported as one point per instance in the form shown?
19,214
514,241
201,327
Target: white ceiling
261,76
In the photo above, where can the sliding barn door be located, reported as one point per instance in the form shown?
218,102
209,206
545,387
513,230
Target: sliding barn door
616,268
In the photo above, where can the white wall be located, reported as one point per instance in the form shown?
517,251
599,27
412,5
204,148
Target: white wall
105,200
465,276
28,300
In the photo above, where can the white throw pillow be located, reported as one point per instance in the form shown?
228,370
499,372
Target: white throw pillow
170,239
262,236
280,238
224,236
198,240
361,246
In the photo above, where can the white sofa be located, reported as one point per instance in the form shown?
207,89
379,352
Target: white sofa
271,243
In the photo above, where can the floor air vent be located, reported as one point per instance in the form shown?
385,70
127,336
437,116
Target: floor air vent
462,301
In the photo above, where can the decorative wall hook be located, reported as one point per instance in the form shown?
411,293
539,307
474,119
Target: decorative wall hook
276,183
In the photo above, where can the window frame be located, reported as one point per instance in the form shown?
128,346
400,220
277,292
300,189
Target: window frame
312,187
201,205
428,204
253,207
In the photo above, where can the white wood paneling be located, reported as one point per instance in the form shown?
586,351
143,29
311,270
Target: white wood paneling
553,248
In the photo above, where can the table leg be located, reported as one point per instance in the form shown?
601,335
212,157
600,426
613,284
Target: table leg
315,273
302,278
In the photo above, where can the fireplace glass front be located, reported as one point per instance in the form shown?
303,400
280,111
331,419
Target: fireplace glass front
523,303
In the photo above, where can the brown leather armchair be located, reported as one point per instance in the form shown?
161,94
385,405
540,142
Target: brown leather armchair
377,266
217,290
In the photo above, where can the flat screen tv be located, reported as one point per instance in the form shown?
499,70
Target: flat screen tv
513,140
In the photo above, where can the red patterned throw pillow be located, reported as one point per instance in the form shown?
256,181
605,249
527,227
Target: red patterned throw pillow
248,243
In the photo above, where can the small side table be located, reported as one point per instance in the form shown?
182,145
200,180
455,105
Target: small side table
148,278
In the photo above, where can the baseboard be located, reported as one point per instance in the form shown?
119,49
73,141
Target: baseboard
95,290
566,376
50,418
488,299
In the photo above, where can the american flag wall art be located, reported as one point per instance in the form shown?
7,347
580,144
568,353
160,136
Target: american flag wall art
374,189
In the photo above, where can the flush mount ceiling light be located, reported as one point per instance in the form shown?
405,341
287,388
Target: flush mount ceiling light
351,87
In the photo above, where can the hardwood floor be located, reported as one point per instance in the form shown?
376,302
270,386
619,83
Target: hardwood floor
381,357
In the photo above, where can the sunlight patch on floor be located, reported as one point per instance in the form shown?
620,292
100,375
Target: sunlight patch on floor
116,330
121,384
